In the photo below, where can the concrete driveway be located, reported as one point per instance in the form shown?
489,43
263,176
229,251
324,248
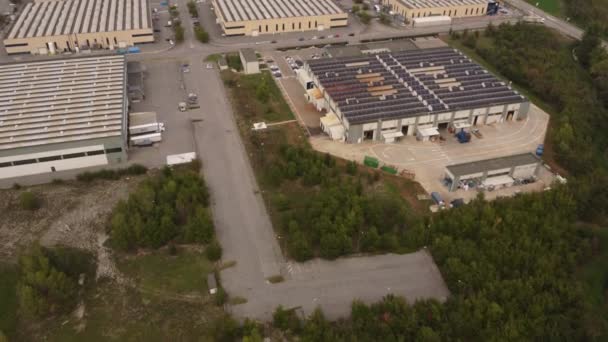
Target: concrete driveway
246,234
429,159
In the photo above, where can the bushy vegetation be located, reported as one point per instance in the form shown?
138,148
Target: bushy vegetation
178,29
201,35
364,16
170,206
29,201
588,13
48,280
338,210
112,174
234,61
257,97
192,9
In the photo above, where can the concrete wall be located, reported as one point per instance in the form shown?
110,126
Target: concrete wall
519,171
106,40
280,25
41,166
450,11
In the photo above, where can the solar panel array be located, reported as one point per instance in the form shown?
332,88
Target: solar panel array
409,83
247,10
53,18
416,4
62,100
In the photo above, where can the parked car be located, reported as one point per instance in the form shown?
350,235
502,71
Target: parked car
351,34
437,199
273,42
277,74
301,39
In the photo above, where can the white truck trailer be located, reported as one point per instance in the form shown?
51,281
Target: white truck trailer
431,21
156,127
145,139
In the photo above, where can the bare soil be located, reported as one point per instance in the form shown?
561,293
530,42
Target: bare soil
72,214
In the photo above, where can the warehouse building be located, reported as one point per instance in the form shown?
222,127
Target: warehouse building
252,18
410,9
413,92
496,172
73,25
62,114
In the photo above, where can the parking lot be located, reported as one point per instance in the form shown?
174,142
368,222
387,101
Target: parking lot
166,84
427,160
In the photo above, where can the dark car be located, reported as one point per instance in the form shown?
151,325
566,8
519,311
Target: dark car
299,63
322,37
301,39
273,42
351,34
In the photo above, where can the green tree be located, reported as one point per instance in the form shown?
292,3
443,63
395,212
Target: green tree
213,251
262,92
201,35
179,32
364,17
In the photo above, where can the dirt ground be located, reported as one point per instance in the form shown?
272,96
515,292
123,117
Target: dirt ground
72,214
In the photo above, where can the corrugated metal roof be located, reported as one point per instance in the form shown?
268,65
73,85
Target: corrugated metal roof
246,10
53,18
61,100
499,163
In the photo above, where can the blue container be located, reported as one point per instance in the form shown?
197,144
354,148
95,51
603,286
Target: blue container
133,49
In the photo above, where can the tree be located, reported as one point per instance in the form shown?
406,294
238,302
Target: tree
355,9
285,319
179,32
262,92
201,35
213,251
192,9
590,42
364,17
29,201
42,288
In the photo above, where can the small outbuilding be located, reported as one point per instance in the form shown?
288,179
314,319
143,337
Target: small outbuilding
502,171
250,61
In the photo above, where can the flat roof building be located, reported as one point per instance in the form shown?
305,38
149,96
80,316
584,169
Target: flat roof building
69,25
501,171
391,94
62,114
410,9
250,61
252,17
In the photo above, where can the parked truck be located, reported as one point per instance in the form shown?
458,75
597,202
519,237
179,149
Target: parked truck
431,21
145,139
156,127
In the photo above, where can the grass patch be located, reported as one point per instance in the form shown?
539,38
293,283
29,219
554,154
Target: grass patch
184,273
276,279
237,300
553,7
215,57
116,313
8,300
253,103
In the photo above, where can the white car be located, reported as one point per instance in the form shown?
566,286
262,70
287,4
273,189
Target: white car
274,68
209,66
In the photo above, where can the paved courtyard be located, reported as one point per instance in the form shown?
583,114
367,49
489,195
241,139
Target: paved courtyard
429,159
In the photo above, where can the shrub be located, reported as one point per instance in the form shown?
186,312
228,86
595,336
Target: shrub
192,9
201,35
29,201
364,17
221,297
179,32
214,251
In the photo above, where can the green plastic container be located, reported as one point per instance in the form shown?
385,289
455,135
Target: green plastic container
371,162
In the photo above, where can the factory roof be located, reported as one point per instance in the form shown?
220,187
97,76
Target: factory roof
54,18
409,83
499,163
247,10
61,100
420,4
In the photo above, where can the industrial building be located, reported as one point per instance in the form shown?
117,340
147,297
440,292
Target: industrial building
410,9
496,172
252,18
72,25
250,62
62,114
389,95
